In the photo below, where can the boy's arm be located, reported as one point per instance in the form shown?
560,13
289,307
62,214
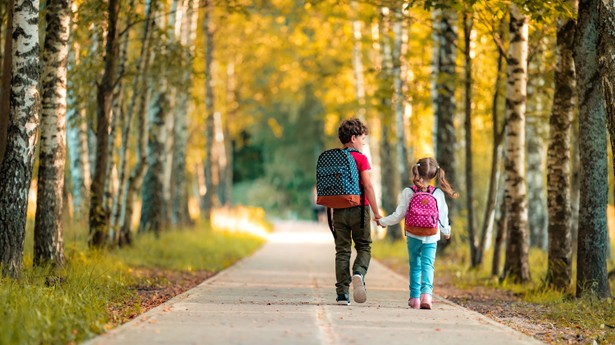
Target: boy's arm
369,193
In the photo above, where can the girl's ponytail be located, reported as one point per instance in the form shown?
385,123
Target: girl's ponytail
444,185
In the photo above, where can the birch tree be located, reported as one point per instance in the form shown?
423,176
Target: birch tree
386,95
16,168
592,237
77,143
99,214
444,80
535,144
6,80
516,265
559,270
209,199
129,183
399,76
468,24
180,215
48,246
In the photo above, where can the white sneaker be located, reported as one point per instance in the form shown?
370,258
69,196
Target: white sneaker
359,294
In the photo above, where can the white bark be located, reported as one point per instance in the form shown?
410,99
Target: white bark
516,196
16,170
48,244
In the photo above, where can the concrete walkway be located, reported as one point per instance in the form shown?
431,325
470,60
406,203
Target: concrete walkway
285,294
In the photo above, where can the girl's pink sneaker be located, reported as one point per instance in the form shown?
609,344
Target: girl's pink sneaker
414,303
425,301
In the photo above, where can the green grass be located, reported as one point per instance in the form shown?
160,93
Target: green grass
594,318
74,303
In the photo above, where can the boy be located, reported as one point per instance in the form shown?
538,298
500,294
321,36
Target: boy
347,221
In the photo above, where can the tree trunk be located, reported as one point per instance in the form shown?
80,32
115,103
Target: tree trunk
444,79
99,214
387,76
118,111
535,147
77,144
16,169
494,176
399,76
500,229
122,216
209,199
180,215
591,257
371,150
6,80
607,72
153,201
517,265
468,23
559,270
48,247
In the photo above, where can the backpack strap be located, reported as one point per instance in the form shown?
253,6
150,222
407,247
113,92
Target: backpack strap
362,190
330,221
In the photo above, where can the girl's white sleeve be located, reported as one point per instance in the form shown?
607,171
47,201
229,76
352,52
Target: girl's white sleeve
400,212
445,227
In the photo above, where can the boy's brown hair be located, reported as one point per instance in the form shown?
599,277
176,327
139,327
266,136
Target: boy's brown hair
351,127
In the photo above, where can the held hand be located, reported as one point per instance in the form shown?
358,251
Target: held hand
377,220
448,237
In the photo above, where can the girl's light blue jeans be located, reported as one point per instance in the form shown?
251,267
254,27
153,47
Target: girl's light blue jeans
421,257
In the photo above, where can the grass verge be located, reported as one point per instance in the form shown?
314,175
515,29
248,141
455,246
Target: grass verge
97,290
551,316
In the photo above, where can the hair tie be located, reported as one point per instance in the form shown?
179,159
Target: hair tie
418,164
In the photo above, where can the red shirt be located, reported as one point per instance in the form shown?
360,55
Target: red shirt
362,165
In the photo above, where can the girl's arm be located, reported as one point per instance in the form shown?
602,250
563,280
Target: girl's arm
445,227
400,212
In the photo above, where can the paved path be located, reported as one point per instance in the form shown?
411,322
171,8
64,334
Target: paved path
285,294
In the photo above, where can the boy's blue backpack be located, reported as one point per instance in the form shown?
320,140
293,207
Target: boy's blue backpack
338,183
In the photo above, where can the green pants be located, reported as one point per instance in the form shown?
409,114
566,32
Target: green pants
347,225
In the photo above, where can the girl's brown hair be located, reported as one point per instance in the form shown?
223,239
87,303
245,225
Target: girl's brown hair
427,169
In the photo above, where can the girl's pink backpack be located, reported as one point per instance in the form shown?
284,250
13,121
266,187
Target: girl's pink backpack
422,215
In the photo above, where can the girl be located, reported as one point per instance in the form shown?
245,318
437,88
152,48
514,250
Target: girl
422,238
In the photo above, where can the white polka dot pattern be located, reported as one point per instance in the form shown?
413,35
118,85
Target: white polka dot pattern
422,215
337,174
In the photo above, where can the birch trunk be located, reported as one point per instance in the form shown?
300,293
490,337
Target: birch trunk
516,266
494,176
536,148
501,230
232,115
559,270
385,109
122,213
592,236
99,213
48,246
180,214
152,193
77,144
468,23
16,169
6,80
209,199
607,72
371,151
118,113
444,79
591,257
399,76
